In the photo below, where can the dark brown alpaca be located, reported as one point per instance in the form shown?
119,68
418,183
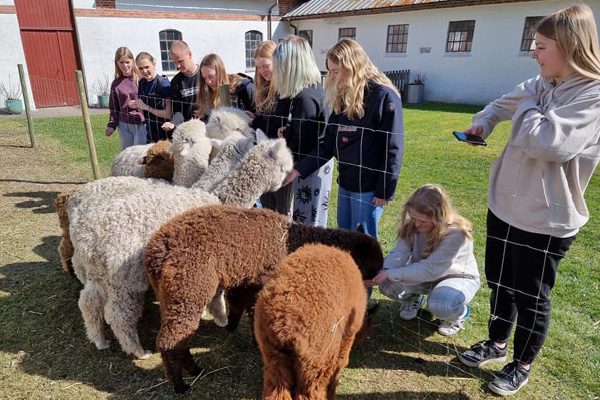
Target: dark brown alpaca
189,257
305,322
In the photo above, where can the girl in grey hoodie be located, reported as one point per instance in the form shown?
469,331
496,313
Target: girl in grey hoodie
537,185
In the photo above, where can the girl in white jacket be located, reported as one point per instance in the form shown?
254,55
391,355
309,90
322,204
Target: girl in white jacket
434,257
536,203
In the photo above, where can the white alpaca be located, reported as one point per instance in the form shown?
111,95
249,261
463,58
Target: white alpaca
110,237
191,149
225,120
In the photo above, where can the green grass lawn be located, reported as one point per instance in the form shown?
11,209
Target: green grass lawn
399,360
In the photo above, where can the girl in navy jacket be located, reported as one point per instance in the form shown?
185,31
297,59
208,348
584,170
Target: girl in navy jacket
364,132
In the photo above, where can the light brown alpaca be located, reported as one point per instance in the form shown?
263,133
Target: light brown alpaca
305,321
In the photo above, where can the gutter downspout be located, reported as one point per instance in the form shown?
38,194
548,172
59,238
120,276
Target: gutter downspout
293,26
269,13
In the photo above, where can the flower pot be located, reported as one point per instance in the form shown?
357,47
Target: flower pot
103,100
15,106
415,94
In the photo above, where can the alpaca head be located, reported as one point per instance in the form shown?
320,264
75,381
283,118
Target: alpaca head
280,160
226,120
186,135
158,162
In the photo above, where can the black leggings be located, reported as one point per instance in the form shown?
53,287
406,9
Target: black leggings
520,268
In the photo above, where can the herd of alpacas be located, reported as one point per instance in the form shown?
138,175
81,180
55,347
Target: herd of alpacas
178,216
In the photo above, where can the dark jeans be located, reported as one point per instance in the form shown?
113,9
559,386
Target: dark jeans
520,268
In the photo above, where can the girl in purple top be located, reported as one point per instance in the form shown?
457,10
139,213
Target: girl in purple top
123,89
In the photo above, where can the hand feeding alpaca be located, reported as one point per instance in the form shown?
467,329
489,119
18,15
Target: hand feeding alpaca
197,252
109,253
305,322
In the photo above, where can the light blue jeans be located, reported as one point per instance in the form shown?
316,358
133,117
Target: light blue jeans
446,298
358,209
132,134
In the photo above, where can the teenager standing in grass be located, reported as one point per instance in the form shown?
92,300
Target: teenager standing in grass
364,132
124,89
154,97
433,257
537,185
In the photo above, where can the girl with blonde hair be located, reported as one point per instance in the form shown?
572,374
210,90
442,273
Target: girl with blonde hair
364,132
300,119
434,257
124,88
212,76
536,201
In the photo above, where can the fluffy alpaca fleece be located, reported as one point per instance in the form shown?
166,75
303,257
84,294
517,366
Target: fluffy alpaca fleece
194,254
305,321
191,150
231,151
225,120
144,161
110,237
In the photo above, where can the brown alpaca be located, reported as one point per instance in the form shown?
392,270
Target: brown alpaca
158,163
305,321
197,252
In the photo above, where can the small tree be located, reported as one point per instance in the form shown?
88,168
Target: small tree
10,91
101,86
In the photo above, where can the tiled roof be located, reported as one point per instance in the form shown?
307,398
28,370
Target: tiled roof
321,7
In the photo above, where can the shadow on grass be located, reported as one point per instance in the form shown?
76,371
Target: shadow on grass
43,205
444,107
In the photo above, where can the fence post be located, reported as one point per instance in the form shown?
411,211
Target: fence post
27,105
87,123
225,96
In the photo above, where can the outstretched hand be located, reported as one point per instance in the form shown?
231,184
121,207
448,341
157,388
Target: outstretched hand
291,176
379,278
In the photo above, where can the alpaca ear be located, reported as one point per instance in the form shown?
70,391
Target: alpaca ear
143,160
360,228
276,148
216,143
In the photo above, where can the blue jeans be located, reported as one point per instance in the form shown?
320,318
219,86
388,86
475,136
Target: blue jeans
358,209
132,134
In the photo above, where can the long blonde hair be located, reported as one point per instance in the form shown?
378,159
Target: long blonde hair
265,90
355,63
124,51
432,202
207,98
294,67
576,36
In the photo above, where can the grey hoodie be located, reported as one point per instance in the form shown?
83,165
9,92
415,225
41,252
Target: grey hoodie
538,182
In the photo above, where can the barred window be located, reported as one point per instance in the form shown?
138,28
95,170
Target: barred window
460,36
166,38
349,33
306,34
529,33
397,37
252,40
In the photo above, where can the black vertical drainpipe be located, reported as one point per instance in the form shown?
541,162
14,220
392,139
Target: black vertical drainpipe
269,19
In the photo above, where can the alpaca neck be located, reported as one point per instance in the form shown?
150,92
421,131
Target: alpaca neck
241,189
300,234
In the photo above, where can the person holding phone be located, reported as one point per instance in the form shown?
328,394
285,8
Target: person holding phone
433,257
536,201
129,120
364,132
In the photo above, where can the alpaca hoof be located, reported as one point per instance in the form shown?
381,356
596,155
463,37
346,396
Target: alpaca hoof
144,355
102,344
181,388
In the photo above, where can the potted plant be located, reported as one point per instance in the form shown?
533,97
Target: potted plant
101,87
415,92
12,95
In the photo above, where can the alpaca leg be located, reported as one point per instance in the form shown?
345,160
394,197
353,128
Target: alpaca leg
342,361
123,311
241,298
218,308
91,304
65,250
278,375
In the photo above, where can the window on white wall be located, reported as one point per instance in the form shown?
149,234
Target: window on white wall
349,33
252,40
397,38
166,38
529,32
306,34
460,36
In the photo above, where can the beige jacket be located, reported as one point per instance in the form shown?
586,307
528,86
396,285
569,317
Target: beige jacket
538,182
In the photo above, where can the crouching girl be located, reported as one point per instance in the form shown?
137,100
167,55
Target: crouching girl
433,257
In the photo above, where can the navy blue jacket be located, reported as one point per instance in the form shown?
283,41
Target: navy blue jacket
369,150
243,98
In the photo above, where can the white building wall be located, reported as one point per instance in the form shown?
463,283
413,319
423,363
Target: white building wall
493,67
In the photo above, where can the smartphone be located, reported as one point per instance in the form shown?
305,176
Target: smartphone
467,137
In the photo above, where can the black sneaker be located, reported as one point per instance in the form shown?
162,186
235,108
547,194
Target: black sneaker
481,353
508,381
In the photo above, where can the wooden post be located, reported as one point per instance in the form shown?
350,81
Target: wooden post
27,105
88,124
225,95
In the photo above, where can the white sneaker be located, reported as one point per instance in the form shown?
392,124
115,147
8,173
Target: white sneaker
411,306
449,328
